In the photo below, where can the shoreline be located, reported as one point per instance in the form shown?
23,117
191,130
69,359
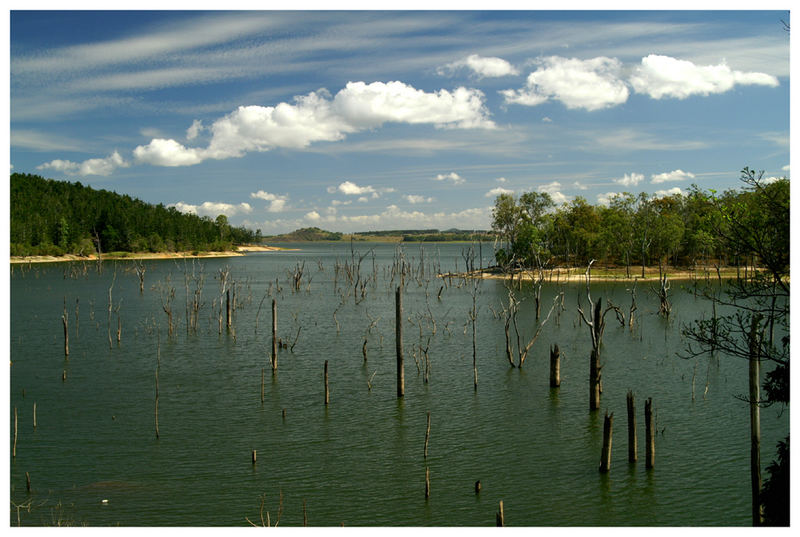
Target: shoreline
617,274
122,256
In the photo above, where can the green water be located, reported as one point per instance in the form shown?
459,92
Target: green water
358,461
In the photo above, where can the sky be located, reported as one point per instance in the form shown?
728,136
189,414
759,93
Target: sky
374,120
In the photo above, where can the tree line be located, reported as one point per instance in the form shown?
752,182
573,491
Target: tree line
631,230
49,217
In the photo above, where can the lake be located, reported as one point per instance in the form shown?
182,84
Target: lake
94,458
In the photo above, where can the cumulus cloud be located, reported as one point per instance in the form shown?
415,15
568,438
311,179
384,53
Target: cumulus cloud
213,209
501,180
630,179
318,117
591,84
162,152
554,189
452,176
493,193
313,216
675,175
367,106
94,166
665,193
483,67
349,188
416,198
663,76
277,202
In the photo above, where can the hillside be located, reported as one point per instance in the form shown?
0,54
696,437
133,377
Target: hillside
49,217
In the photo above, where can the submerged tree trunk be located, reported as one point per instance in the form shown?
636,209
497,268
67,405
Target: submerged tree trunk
755,421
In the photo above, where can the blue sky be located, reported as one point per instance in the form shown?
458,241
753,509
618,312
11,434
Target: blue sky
355,121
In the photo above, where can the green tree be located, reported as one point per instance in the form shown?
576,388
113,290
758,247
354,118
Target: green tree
754,223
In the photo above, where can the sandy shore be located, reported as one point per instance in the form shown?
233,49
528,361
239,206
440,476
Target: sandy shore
240,251
603,274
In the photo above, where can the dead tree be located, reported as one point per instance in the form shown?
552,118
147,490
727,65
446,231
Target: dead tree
140,268
664,307
65,322
596,327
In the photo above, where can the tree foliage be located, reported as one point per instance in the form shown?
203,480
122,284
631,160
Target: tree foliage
680,230
55,217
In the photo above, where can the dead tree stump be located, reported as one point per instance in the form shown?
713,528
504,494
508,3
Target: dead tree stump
274,357
327,391
632,443
427,435
605,457
555,366
398,330
649,434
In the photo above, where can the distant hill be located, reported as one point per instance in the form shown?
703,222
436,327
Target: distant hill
396,235
57,217
305,234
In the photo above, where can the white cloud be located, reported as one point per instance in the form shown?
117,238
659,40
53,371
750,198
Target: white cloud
194,130
367,106
161,152
316,117
675,175
213,209
605,199
363,199
415,198
546,120
484,67
591,84
349,188
313,216
452,176
631,179
579,185
665,193
277,202
664,76
554,189
493,193
339,202
501,180
785,168
93,166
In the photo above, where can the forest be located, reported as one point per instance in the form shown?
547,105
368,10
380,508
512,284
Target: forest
55,218
635,231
